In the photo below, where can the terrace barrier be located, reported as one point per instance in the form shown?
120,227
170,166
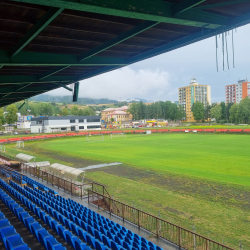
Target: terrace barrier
52,136
181,237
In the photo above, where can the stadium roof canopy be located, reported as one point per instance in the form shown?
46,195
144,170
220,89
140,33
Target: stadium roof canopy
47,44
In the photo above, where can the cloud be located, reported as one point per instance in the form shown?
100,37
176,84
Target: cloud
127,83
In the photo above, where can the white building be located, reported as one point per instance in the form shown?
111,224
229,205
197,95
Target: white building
52,124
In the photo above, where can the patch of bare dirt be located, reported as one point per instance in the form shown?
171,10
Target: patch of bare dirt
215,192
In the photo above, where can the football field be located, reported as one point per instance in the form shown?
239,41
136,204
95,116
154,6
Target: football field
200,179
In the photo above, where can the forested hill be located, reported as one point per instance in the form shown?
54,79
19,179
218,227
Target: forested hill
68,100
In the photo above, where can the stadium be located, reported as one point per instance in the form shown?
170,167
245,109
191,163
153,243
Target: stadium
140,189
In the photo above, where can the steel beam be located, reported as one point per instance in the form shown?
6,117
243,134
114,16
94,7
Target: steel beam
52,72
20,79
210,6
126,35
157,11
25,58
206,33
36,29
6,90
185,5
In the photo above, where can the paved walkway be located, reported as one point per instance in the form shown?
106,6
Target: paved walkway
143,233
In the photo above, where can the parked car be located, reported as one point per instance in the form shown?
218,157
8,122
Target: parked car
15,133
27,132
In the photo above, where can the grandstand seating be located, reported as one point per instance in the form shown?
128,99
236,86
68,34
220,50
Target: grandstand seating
122,131
8,235
221,130
49,136
235,130
38,137
209,130
60,135
27,138
71,134
198,130
94,133
72,221
14,139
139,131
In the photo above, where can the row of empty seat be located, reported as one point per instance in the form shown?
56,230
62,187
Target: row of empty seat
51,136
91,227
42,235
8,235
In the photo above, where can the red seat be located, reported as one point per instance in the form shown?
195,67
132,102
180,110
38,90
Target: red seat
174,130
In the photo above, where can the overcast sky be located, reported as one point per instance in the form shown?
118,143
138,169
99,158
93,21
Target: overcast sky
160,77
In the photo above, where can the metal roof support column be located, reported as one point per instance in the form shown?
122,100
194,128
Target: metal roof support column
76,92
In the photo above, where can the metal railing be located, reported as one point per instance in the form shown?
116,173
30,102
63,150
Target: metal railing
181,237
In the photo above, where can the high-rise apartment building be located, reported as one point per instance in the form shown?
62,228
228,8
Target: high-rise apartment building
236,92
194,93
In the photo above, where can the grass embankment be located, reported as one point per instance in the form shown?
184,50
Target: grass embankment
190,178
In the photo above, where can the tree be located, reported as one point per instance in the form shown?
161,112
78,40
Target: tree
182,113
86,112
216,112
229,105
11,116
243,111
2,118
198,111
48,109
64,112
223,111
74,110
233,112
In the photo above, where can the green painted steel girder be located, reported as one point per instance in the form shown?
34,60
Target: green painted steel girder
36,29
52,72
157,11
206,33
185,5
21,105
64,86
20,79
12,89
25,58
210,6
126,35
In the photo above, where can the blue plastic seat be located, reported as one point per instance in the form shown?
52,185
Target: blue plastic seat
62,232
82,234
55,225
67,223
90,240
4,224
6,233
106,240
127,246
16,243
115,246
100,246
53,244
43,236
70,238
29,221
35,228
